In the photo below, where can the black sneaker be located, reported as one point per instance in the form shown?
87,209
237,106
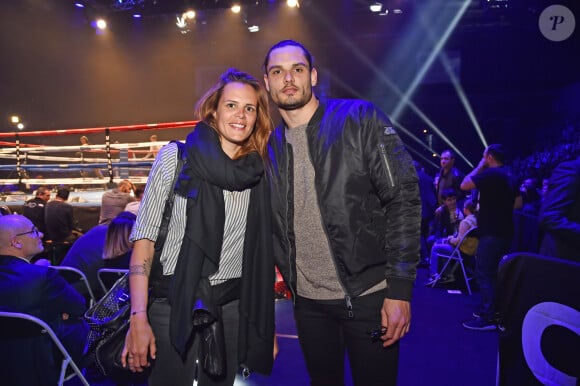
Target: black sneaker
480,324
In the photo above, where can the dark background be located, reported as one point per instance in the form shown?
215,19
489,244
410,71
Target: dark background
56,72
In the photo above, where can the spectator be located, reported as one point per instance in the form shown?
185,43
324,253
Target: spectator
34,209
531,197
59,218
447,217
449,177
114,201
428,205
447,244
133,207
560,213
86,255
498,197
37,290
117,248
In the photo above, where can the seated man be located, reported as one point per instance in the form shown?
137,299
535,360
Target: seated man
38,290
59,218
447,218
114,201
34,208
446,245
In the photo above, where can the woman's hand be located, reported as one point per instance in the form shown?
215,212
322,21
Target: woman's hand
139,342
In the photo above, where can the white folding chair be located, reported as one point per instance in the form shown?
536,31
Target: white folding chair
457,257
109,275
36,328
74,275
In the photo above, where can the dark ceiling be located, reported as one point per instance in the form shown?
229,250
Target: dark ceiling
60,74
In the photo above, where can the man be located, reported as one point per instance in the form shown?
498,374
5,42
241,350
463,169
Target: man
59,218
34,209
428,205
449,177
114,201
498,197
560,213
35,290
347,218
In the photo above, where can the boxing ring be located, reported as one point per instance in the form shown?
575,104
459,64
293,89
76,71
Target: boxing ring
63,159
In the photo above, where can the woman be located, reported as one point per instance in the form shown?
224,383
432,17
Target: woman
117,248
219,228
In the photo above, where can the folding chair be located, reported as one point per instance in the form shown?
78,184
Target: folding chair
108,276
16,327
74,275
457,257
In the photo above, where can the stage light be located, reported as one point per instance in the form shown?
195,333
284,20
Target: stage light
397,11
137,16
293,3
253,28
376,7
189,14
79,5
20,126
236,8
15,119
101,24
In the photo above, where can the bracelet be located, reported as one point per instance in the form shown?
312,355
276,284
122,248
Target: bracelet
137,312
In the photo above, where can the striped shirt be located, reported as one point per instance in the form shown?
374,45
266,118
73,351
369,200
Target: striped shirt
151,211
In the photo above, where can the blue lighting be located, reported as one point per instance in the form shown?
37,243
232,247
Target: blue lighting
137,16
79,5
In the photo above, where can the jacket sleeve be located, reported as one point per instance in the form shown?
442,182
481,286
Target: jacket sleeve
395,179
61,296
559,203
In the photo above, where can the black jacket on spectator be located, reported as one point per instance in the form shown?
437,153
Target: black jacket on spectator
560,213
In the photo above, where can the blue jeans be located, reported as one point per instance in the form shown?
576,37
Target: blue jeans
325,332
443,248
170,369
490,250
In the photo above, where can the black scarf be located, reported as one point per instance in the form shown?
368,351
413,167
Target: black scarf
206,173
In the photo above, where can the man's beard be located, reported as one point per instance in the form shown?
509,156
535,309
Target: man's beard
294,103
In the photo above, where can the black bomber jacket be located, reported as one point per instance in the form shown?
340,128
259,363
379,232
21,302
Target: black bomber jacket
368,195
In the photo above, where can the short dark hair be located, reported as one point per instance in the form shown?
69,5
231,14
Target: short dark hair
288,43
63,193
497,152
451,153
449,192
470,206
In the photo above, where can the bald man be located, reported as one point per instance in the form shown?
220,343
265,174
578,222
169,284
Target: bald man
35,290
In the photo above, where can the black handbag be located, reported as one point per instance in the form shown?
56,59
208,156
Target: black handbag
109,318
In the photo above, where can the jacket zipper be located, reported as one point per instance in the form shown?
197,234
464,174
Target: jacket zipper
390,178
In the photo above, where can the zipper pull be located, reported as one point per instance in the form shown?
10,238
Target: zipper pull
349,307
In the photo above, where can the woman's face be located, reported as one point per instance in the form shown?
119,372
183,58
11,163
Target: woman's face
236,115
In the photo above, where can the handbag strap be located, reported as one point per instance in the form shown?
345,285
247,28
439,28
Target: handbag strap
156,268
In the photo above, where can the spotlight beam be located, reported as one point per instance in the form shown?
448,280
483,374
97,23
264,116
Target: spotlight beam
425,67
357,52
462,96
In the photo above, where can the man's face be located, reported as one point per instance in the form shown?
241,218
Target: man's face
28,239
44,195
447,161
288,78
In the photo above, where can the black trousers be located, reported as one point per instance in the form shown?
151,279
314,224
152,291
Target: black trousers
326,332
170,369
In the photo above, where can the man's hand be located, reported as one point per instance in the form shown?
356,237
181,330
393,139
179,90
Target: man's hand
396,316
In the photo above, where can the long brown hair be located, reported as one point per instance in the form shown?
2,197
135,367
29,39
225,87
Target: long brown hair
208,104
